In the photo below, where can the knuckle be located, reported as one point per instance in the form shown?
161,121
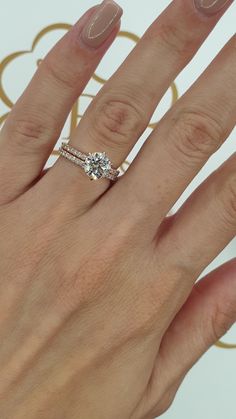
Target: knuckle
64,77
31,133
196,135
177,40
116,122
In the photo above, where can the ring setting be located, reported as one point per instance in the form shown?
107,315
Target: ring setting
96,165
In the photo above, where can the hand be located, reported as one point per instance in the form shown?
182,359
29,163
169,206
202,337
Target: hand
100,313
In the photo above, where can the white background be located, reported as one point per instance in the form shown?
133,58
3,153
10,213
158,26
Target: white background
209,391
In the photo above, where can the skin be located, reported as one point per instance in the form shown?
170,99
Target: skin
101,315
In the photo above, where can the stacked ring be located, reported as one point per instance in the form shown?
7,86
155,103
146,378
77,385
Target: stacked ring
96,165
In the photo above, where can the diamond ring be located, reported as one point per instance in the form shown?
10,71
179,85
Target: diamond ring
96,165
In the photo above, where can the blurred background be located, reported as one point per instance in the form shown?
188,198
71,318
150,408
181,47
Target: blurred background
28,29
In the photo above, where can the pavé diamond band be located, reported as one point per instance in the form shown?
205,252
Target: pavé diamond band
96,165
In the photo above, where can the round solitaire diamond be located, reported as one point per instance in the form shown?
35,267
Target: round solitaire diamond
97,165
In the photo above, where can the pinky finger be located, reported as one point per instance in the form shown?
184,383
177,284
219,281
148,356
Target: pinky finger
207,315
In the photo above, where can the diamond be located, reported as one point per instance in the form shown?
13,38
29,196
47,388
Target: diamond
97,165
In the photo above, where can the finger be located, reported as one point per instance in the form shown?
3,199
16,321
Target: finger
206,316
122,110
184,140
206,223
34,125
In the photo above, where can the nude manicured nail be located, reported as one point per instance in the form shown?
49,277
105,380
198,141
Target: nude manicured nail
210,7
102,23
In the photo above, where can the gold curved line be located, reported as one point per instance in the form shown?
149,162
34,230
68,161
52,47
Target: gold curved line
49,28
125,165
55,152
153,125
6,100
38,62
175,96
122,34
223,345
3,118
3,96
175,93
129,35
87,95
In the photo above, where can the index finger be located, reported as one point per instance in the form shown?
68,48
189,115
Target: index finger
34,126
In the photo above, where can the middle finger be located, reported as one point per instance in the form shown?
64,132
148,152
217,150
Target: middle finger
195,128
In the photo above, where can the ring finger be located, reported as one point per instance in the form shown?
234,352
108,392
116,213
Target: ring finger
208,215
122,110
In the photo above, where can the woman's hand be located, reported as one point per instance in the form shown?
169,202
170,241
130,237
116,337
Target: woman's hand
100,313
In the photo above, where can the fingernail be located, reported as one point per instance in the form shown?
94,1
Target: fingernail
102,23
210,7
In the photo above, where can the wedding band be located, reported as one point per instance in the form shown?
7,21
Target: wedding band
96,165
